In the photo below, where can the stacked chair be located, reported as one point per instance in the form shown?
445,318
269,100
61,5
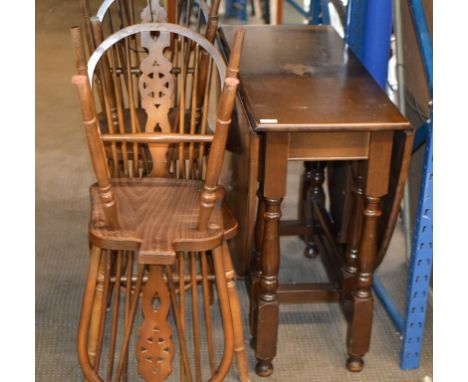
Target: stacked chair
159,227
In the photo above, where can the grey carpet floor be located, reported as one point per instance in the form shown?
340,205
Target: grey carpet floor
311,337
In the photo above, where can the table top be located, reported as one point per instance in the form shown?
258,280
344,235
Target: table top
304,78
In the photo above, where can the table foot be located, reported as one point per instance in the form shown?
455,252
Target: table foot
311,251
354,364
263,368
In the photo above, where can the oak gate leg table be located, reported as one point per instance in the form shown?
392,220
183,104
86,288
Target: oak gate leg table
305,96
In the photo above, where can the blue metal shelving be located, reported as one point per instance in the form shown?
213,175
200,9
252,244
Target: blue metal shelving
355,19
420,269
237,8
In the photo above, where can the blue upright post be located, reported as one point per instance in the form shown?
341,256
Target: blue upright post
243,11
376,48
421,256
313,14
420,268
355,26
230,12
325,12
237,8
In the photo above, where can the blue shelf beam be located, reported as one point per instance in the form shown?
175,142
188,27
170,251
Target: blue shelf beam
376,42
298,8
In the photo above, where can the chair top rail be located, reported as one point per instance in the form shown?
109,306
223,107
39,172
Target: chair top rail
156,27
103,9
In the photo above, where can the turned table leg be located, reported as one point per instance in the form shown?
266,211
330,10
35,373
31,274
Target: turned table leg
268,309
354,232
377,179
359,330
273,187
312,190
256,268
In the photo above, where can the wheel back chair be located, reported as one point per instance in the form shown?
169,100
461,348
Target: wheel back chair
172,227
129,57
118,14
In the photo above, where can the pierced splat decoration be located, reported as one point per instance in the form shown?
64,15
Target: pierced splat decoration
154,349
153,13
156,85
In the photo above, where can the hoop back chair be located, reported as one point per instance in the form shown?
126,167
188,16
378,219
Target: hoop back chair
170,226
118,14
116,112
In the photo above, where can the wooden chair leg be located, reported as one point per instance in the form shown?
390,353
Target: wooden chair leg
85,341
100,307
207,311
228,351
185,373
239,348
122,363
100,304
211,283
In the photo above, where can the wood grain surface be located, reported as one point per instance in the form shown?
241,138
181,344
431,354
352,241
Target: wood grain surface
158,217
305,78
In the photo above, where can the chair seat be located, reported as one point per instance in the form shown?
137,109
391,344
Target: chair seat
158,218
